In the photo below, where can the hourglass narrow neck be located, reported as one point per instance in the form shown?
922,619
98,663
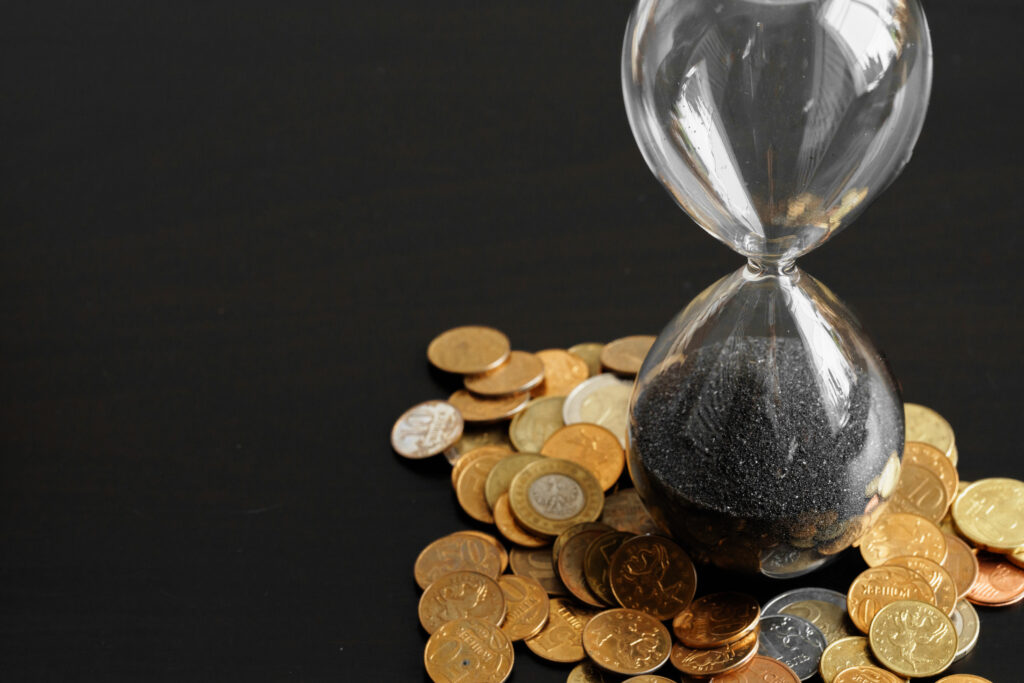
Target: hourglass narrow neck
771,268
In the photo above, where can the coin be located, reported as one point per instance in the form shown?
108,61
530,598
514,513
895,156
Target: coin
591,446
961,564
653,574
510,529
590,352
566,535
476,436
926,425
843,654
967,633
902,534
570,565
938,579
464,462
625,641
623,510
625,356
601,400
526,604
468,350
551,495
536,564
563,370
919,492
877,587
1016,557
716,619
760,669
703,662
459,595
489,539
596,560
501,475
521,372
469,489
795,642
456,553
866,674
931,458
648,678
561,639
832,620
426,429
783,600
586,672
468,650
954,455
999,583
913,639
963,678
475,408
541,418
990,513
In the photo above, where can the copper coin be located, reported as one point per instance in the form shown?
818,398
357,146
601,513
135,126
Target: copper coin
941,582
654,575
963,678
717,619
590,352
596,562
920,492
961,563
902,534
623,510
459,595
536,564
469,489
468,650
426,429
591,446
465,461
564,537
468,350
931,458
625,356
703,662
587,672
490,539
455,553
999,582
526,606
877,587
521,372
866,674
570,566
627,642
475,408
759,670
477,436
561,639
925,425
510,529
562,372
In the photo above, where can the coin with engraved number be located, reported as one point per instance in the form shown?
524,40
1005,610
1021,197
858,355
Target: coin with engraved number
913,639
919,492
502,474
468,350
653,574
591,446
590,352
563,370
469,489
459,595
990,513
759,670
926,425
468,650
570,565
931,458
536,564
877,587
999,583
526,606
551,495
453,553
561,639
510,529
627,642
968,629
843,654
477,436
489,539
541,418
522,371
623,510
625,356
426,429
704,662
941,582
565,536
902,534
586,672
596,561
962,565
795,642
866,674
716,619
475,408
963,678
601,400
831,619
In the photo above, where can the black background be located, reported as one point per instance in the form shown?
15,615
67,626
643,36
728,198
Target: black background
230,230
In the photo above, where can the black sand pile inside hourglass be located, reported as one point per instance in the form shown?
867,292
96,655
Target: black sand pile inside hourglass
738,438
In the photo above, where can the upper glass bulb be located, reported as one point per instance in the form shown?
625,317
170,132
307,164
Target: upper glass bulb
773,123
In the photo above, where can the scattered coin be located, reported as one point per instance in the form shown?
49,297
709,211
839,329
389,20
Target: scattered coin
590,352
459,595
586,672
877,587
866,674
919,492
527,606
563,370
468,650
760,669
625,641
469,489
1016,557
489,539
541,418
561,639
565,536
536,564
456,553
468,350
831,619
591,446
990,513
795,642
648,678
717,619
601,400
913,639
963,678
962,565
479,452
653,574
625,356
999,583
844,654
426,429
783,600
623,510
596,561
570,564
551,495
967,633
521,372
931,458
941,583
704,662
954,455
902,534
475,408
476,436
504,471
510,529
926,425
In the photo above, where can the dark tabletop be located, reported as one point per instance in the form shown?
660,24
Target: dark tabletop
230,230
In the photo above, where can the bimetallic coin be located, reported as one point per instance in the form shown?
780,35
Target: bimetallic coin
465,461
562,372
561,639
489,539
468,650
551,495
704,662
501,475
999,583
596,561
510,529
623,510
843,654
625,641
625,356
426,429
570,565
717,619
969,628
476,436
469,489
926,425
654,575
459,595
454,553
877,587
601,400
990,513
541,418
468,350
913,639
536,564
941,582
521,372
590,352
902,534
475,408
934,460
526,606
961,563
866,674
591,446
586,672
760,669
920,492
795,642
779,602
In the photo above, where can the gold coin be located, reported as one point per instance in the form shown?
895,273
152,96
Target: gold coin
990,513
532,427
459,595
926,425
521,372
653,574
967,631
468,650
590,352
648,678
866,674
942,584
591,446
490,539
703,662
551,495
501,475
760,669
902,534
623,510
832,620
627,642
717,619
913,639
843,654
426,429
469,489
563,370
877,587
920,492
625,356
586,672
476,436
510,529
954,455
454,553
564,537
526,604
999,583
536,564
468,350
479,452
961,563
1016,557
475,408
601,400
596,561
963,678
561,639
570,565
934,460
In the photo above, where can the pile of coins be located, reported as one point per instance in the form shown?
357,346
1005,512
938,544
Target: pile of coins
536,442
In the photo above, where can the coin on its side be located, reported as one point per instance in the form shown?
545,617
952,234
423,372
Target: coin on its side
843,654
913,639
926,425
454,553
551,495
526,606
623,510
596,561
541,418
563,370
475,408
426,429
704,662
967,630
931,458
601,400
760,669
941,582
625,356
1017,557
459,595
570,565
900,533
536,564
795,642
717,619
477,436
654,575
627,642
502,474
468,650
999,583
919,492
591,446
866,674
961,563
590,352
467,459
522,371
561,639
469,489
510,529
468,350
877,587
565,536
990,513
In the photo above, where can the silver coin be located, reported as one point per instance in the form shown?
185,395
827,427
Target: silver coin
779,602
967,633
795,642
427,429
601,400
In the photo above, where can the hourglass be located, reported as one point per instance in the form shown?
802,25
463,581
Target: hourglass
766,429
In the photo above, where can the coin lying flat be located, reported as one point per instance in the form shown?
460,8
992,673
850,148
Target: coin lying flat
653,574
527,606
475,408
591,446
468,350
455,553
1016,557
479,452
999,583
601,400
902,534
843,654
625,356
648,678
938,579
963,678
596,561
968,630
760,669
563,370
491,540
586,672
510,528
866,674
625,641
561,639
783,600
831,619
590,352
795,642
426,429
469,489
877,587
541,418
920,492
717,619
536,564
468,650
913,638
704,662
477,436
551,495
926,425
522,371
961,563
502,474
565,536
931,458
459,595
623,510
990,513
570,564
